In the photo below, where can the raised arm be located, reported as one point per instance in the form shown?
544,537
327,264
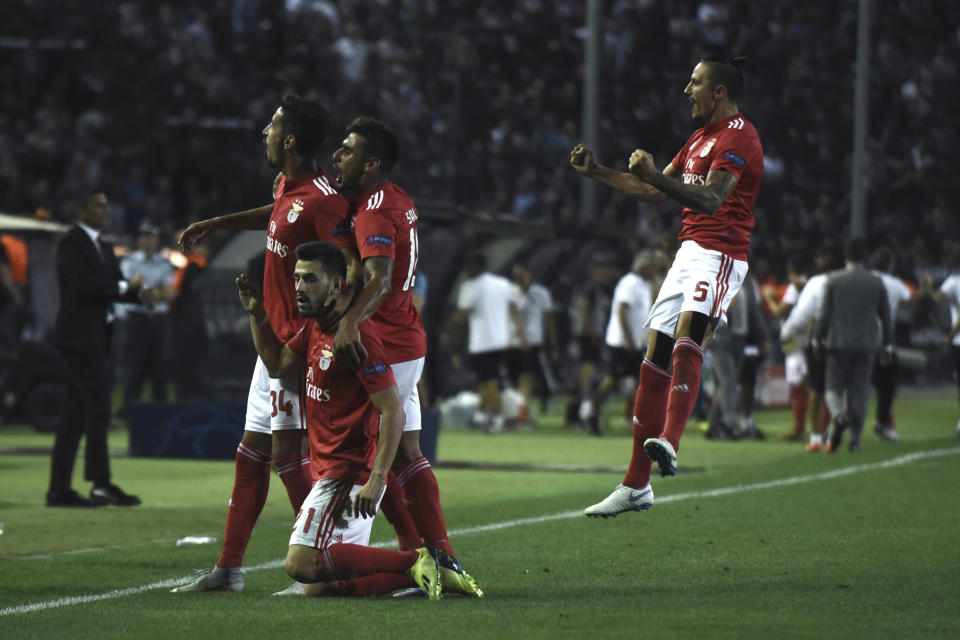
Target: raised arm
278,358
582,161
387,402
249,220
702,199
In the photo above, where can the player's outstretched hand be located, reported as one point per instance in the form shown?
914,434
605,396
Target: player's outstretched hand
641,164
251,296
581,159
365,502
194,234
347,346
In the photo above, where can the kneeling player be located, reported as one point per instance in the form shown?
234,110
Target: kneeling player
345,409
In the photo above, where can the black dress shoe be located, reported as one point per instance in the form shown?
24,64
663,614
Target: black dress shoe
112,494
68,498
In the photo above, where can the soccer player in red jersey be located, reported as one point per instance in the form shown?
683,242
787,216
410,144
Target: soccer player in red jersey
385,229
306,207
355,421
715,178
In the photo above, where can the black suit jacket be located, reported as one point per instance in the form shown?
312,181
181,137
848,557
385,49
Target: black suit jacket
89,282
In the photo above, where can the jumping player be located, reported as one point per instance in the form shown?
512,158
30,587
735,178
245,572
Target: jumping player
716,178
306,207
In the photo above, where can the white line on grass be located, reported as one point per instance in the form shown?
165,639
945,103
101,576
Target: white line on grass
709,493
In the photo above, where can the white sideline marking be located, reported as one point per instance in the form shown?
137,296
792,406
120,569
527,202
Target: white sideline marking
709,493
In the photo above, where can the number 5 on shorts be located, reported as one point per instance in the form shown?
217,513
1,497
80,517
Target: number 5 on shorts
702,288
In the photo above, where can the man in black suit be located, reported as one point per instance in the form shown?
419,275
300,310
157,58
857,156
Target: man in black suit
90,281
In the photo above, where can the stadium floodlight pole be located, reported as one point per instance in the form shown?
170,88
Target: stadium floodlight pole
591,73
861,98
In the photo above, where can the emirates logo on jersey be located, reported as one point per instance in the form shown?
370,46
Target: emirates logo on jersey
295,210
707,147
326,357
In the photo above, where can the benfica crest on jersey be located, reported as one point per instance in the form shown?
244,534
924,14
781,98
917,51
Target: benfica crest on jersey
295,210
324,362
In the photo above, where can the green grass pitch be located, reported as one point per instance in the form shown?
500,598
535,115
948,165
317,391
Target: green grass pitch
754,540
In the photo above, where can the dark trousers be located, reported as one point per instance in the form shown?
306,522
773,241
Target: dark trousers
885,382
87,412
144,355
848,387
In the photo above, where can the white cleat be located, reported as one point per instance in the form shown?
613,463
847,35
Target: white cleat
660,450
216,579
296,589
621,500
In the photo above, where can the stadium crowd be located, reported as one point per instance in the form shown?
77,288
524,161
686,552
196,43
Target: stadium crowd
146,100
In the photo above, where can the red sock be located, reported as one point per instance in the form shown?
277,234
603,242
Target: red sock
798,401
422,495
250,486
377,584
649,412
684,387
393,507
345,561
295,473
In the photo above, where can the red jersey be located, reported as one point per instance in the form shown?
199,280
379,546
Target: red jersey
342,422
386,225
303,211
734,146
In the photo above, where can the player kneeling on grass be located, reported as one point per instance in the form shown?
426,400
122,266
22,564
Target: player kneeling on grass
354,422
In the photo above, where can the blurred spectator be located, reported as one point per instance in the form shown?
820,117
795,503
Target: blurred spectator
626,335
848,331
146,323
540,337
492,305
884,375
188,331
13,258
796,336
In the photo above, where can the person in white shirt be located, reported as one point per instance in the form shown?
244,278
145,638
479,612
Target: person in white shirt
796,333
949,291
492,305
884,375
795,363
625,337
540,333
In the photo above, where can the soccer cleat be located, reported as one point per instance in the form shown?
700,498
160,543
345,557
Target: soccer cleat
426,573
660,450
216,579
888,433
814,446
454,578
296,589
622,499
409,592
